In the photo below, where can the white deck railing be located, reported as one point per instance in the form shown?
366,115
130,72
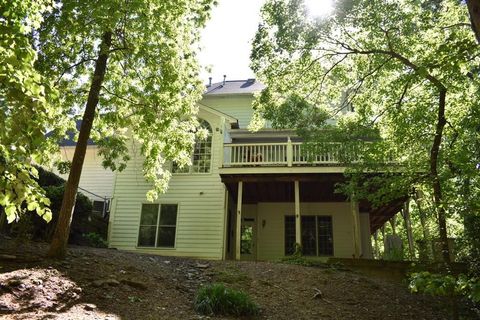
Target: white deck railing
280,154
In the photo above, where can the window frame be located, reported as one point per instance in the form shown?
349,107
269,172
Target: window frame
190,167
317,240
157,226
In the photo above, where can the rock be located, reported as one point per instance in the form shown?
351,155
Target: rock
37,282
202,266
89,307
152,259
166,262
112,282
135,284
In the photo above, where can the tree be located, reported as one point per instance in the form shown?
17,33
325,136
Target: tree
27,110
474,11
408,68
139,57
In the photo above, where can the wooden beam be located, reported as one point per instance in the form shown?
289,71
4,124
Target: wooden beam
356,228
298,220
238,229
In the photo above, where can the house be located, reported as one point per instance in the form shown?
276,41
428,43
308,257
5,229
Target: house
247,196
96,182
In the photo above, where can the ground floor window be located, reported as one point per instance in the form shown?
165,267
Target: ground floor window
158,224
317,235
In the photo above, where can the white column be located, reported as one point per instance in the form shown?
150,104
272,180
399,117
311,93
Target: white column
289,152
238,230
408,225
298,220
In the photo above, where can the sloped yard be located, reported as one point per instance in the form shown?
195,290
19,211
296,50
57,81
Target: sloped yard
108,284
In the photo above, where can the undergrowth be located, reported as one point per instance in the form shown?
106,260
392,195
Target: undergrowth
216,299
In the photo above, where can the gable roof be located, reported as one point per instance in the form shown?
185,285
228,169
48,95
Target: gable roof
234,87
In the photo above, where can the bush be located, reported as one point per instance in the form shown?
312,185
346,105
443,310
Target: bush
215,299
95,240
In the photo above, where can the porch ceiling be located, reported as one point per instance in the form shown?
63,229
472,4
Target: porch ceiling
313,188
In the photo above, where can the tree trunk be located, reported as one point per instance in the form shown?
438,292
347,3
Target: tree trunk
436,185
58,246
423,222
474,11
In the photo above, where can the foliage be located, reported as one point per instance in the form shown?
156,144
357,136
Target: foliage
151,84
216,299
298,260
392,63
445,285
27,110
95,240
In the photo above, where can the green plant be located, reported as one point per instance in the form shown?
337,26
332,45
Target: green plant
217,299
231,275
297,260
95,240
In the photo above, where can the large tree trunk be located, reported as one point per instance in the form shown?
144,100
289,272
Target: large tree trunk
436,185
58,246
474,11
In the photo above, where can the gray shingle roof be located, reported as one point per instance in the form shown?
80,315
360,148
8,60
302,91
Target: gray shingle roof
248,86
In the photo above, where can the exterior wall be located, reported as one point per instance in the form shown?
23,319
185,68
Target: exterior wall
200,198
94,178
271,233
239,107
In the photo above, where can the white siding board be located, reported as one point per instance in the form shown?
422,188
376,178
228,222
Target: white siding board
200,217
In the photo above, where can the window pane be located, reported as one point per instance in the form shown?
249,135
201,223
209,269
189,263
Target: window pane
325,236
168,214
289,235
149,214
166,237
309,239
146,236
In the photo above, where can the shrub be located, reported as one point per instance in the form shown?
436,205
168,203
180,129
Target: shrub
95,240
215,299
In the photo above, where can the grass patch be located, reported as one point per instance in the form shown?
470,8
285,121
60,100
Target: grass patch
231,275
298,260
216,299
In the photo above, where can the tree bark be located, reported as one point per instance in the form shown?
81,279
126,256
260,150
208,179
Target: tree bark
58,246
436,185
474,11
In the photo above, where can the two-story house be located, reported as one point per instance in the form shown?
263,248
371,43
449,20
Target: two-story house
248,196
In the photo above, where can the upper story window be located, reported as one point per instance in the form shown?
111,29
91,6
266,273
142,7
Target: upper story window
202,154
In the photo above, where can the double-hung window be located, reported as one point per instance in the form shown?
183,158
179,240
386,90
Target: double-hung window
317,235
158,224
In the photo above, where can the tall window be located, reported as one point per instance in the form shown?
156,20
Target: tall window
317,235
158,224
202,154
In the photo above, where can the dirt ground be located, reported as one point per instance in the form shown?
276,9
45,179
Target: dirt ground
109,284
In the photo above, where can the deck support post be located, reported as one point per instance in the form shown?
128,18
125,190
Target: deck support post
408,226
238,229
356,228
298,220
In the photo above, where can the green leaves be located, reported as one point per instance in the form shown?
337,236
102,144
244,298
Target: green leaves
445,285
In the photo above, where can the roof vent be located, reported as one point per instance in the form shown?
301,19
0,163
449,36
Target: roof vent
224,79
209,81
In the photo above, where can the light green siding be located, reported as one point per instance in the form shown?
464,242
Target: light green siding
200,199
239,107
95,178
271,233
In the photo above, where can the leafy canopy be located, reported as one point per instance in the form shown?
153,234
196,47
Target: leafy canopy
148,96
386,60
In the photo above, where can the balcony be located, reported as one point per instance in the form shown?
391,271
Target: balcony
286,154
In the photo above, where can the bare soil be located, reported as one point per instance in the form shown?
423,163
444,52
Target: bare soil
109,284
